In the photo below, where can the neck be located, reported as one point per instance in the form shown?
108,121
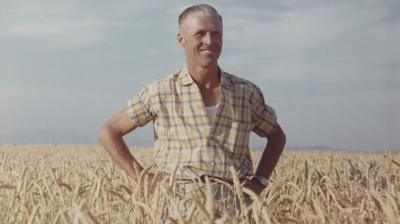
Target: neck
208,77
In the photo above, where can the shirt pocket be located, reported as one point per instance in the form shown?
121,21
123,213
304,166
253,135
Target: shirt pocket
241,128
239,136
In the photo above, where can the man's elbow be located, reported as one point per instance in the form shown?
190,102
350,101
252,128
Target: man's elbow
282,136
278,136
105,134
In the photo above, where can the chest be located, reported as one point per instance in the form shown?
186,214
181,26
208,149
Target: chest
187,108
210,97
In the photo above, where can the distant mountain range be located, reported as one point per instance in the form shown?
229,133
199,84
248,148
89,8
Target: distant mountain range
69,138
320,148
74,138
43,137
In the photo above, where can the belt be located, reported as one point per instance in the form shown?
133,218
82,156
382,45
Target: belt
202,179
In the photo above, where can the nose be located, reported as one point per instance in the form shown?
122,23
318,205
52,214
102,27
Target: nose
209,39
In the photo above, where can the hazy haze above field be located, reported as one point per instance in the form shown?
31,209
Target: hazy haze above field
330,69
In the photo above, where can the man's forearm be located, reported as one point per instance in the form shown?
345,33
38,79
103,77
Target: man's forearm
119,153
271,154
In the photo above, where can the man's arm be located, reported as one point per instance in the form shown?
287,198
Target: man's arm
269,158
110,137
272,152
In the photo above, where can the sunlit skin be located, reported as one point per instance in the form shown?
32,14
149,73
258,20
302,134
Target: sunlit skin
201,37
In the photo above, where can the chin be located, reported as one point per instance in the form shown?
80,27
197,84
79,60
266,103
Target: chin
208,63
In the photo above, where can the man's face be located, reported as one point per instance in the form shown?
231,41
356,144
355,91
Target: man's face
201,37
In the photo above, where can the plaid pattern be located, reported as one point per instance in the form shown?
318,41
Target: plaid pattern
185,139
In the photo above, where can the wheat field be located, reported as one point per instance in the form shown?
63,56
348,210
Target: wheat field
79,184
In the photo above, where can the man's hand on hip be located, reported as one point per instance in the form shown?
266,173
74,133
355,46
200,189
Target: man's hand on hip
254,186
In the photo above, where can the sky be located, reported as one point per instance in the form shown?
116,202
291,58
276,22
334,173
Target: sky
330,69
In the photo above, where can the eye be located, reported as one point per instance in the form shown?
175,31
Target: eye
216,34
199,34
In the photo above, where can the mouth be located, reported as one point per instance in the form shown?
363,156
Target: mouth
208,51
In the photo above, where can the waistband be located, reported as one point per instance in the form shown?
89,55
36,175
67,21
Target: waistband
202,179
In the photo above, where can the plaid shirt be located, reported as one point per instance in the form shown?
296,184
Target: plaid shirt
185,139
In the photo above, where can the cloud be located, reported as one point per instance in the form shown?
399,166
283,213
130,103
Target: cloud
69,24
299,42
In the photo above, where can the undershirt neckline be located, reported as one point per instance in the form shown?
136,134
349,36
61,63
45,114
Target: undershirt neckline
212,112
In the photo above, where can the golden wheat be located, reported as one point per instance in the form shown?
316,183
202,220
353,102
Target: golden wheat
79,184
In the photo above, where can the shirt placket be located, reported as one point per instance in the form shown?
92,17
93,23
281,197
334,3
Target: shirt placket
199,104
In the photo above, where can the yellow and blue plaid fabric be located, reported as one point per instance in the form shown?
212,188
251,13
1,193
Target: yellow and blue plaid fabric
185,140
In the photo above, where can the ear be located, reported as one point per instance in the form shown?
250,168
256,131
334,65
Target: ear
180,39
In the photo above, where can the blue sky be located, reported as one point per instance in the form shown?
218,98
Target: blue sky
329,68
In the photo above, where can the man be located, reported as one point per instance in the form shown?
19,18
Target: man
202,116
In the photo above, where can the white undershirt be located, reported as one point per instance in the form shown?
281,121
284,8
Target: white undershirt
212,112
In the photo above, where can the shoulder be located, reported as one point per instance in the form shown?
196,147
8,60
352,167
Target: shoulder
240,83
164,84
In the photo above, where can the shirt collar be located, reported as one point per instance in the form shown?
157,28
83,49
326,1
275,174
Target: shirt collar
184,78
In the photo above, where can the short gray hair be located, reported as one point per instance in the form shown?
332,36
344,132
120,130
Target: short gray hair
204,8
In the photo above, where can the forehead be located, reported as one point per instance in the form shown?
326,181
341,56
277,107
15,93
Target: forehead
202,21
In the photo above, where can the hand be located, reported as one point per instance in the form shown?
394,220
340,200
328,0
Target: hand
254,186
151,181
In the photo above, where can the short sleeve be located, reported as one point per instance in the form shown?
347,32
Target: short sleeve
263,116
139,107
